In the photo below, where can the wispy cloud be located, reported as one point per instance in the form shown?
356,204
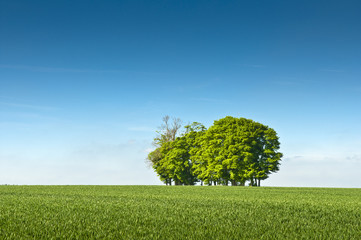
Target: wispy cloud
182,88
284,83
72,70
28,106
354,158
52,69
253,65
125,152
8,98
141,129
319,158
332,70
293,158
211,100
148,150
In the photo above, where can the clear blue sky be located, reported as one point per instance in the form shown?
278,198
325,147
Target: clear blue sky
84,84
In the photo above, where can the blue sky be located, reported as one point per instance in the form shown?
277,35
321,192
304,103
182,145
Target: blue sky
84,84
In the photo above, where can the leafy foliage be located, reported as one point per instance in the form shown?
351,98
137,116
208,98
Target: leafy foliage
233,150
171,160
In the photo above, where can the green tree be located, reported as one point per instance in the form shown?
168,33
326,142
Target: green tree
265,155
171,158
167,133
176,156
155,159
216,156
236,150
176,161
233,150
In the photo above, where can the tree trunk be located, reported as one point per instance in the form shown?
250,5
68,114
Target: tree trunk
201,183
177,182
259,182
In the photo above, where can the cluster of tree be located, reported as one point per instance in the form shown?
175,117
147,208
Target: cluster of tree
232,151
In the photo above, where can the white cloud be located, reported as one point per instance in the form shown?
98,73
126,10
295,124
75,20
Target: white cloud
54,69
29,106
148,150
316,171
211,100
141,129
354,158
253,65
285,83
96,163
332,70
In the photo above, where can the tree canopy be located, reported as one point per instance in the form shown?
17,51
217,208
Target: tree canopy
232,150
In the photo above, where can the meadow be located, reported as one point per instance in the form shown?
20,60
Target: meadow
178,212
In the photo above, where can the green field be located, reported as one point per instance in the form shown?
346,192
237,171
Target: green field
178,212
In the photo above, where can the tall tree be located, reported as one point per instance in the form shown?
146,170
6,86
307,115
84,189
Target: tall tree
236,150
218,157
266,157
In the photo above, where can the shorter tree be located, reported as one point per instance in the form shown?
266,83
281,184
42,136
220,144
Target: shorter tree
167,133
171,159
176,161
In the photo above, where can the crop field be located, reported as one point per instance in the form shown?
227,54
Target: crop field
178,212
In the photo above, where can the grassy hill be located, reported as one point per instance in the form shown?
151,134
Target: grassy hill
178,212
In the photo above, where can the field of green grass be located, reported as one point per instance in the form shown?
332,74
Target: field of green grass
178,212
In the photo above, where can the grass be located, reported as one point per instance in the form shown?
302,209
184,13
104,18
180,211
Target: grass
161,212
